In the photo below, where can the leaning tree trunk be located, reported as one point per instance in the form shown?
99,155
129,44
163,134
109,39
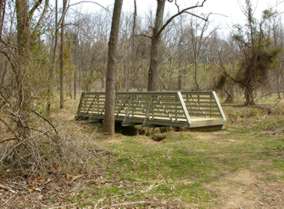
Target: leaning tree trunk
109,124
23,56
153,74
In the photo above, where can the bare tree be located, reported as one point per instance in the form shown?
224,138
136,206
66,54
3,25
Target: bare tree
198,38
23,56
133,48
153,75
257,54
109,124
61,61
159,27
180,55
53,60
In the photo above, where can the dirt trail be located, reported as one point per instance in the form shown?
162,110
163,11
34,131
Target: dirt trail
245,190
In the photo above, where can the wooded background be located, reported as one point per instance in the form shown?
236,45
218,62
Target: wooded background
50,51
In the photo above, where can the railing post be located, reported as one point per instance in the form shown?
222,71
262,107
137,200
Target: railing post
219,106
152,106
179,94
80,104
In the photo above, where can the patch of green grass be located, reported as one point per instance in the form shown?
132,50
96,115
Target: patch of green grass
279,164
136,160
181,166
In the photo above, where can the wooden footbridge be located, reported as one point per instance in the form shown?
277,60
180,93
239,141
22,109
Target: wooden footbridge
172,109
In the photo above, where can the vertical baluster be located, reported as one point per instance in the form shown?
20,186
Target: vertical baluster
211,97
82,103
153,106
176,111
133,105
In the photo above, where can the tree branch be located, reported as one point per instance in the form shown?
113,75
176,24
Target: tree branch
46,120
42,14
34,8
186,10
89,2
225,73
7,188
144,35
198,16
8,140
9,128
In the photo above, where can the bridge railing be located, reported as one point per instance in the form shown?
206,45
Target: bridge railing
203,104
154,107
151,106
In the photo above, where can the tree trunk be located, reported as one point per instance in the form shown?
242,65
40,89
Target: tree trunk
77,63
230,94
22,87
75,84
195,66
249,92
103,83
153,74
180,74
134,26
130,72
61,73
249,96
279,81
2,15
109,121
53,62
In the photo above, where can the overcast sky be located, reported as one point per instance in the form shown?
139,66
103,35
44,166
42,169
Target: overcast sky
228,12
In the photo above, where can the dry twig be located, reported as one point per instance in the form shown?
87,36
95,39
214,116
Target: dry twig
6,188
127,204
